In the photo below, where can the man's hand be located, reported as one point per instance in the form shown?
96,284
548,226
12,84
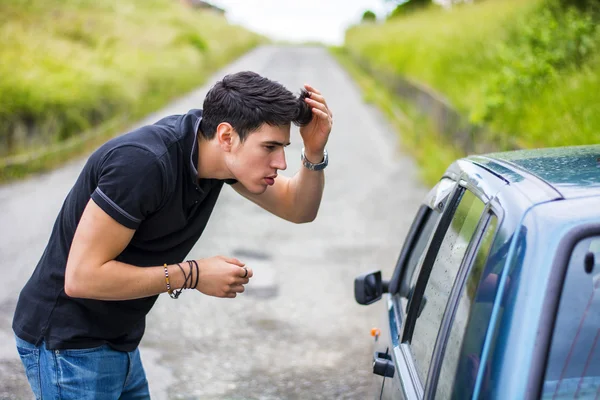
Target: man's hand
316,133
222,276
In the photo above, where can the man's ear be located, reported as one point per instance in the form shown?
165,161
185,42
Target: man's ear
225,136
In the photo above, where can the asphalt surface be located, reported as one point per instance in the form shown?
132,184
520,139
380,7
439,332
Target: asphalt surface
297,332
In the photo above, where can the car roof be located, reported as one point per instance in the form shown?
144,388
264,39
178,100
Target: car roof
571,171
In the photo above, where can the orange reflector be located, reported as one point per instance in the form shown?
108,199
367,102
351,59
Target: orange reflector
375,332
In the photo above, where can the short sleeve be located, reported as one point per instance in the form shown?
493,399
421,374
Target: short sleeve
130,185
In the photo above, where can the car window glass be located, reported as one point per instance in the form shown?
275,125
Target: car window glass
418,252
443,272
454,350
476,334
435,200
573,369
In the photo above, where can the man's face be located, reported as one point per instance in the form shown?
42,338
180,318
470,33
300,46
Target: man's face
255,162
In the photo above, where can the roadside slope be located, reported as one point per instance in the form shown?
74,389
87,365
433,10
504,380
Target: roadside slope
70,66
521,74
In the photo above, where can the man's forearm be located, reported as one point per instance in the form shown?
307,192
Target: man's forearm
307,188
115,280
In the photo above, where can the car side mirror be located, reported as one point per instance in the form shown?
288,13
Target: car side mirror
369,288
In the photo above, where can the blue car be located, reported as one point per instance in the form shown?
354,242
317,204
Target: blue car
496,292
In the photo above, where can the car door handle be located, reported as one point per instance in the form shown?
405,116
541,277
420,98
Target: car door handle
383,365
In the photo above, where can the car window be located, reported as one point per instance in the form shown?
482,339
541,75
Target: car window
477,327
441,279
573,368
419,236
416,256
466,309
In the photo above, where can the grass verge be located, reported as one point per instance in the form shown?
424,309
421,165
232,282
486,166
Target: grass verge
528,70
432,151
75,72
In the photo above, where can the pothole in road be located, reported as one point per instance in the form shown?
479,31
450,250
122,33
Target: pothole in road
263,284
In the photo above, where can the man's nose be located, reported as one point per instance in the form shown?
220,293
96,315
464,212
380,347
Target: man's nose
279,161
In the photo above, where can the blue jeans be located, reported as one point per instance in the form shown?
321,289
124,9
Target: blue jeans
98,373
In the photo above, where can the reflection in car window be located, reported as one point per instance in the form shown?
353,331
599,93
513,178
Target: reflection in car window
573,369
475,336
467,300
443,273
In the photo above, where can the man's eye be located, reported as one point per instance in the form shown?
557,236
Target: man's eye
270,148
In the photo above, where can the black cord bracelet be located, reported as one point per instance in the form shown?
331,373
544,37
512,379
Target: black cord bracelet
177,292
197,274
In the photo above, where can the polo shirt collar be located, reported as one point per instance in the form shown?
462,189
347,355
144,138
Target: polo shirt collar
189,124
192,122
194,153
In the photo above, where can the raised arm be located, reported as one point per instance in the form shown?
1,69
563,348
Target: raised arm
298,199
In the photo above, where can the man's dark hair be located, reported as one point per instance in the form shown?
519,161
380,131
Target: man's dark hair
247,100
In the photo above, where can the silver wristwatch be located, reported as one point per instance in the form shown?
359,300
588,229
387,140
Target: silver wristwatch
315,167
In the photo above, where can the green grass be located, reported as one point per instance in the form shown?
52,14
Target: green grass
432,151
566,112
446,50
71,66
512,65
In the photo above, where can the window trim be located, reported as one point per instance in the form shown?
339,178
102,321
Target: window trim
409,244
414,233
466,267
409,370
541,351
432,251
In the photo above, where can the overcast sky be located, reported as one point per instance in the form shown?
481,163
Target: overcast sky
300,20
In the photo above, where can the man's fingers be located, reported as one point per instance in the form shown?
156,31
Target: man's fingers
234,261
320,113
311,89
245,272
237,289
318,105
316,100
318,97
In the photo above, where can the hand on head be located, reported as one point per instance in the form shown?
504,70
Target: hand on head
316,133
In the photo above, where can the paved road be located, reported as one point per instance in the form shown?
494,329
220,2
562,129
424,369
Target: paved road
297,332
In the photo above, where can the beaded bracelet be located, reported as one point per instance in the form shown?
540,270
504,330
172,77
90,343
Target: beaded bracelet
174,294
168,283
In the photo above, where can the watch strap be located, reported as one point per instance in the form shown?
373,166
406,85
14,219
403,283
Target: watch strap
315,167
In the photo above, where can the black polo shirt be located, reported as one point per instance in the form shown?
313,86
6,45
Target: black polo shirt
146,180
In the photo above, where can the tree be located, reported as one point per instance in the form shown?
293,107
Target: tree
407,6
369,16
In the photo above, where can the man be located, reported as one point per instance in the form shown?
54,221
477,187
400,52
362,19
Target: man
138,207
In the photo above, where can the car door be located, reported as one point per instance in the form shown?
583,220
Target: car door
449,251
455,366
411,256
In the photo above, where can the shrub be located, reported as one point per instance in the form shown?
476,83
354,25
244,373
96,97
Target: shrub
539,45
369,16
